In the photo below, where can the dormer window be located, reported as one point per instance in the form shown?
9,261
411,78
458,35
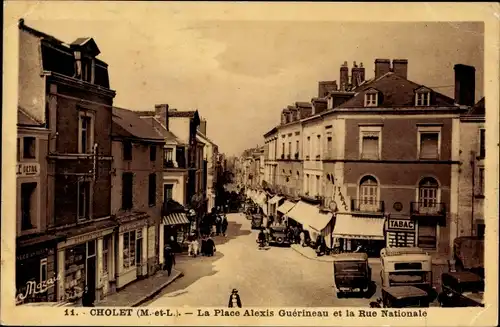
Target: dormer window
423,97
371,98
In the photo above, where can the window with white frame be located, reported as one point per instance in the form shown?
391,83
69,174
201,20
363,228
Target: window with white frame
428,195
129,249
423,98
83,203
85,132
368,194
371,98
429,143
370,146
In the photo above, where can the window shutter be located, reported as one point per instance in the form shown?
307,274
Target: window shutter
370,147
429,146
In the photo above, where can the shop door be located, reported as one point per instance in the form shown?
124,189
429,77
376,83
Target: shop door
138,256
91,273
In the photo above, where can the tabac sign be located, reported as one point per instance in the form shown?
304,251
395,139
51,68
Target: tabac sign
401,224
28,169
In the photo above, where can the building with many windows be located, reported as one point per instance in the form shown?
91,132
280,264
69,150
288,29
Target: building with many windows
136,200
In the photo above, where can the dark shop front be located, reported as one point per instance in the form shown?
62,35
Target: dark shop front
36,279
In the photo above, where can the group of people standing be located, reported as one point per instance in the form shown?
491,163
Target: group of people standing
207,246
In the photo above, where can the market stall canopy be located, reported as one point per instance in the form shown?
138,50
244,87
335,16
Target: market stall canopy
275,199
286,207
261,199
320,220
347,226
304,213
176,218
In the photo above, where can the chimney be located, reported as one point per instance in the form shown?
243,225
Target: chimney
162,110
357,74
344,76
382,66
465,84
326,86
400,67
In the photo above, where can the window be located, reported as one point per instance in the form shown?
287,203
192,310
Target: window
318,186
18,149
306,184
27,205
86,133
422,99
429,145
129,249
481,181
29,147
368,194
427,235
308,147
87,70
83,203
428,190
283,150
152,190
482,139
297,147
371,99
152,153
329,147
318,147
127,150
167,192
289,149
127,192
106,245
43,270
370,145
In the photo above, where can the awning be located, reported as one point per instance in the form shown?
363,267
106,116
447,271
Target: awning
320,220
275,199
261,199
347,226
176,218
286,207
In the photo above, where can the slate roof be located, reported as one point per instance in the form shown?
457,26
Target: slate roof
126,123
159,128
23,118
303,104
478,109
171,113
394,91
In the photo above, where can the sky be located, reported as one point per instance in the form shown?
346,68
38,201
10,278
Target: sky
240,72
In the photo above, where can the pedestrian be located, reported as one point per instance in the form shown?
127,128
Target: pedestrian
296,233
302,236
195,246
88,297
224,225
234,299
218,222
169,259
210,247
204,246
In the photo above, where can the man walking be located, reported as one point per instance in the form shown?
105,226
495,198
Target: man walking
224,225
169,259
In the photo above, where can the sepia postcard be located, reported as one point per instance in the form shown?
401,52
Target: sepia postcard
250,163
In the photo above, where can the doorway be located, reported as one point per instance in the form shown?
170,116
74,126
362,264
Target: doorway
138,256
91,269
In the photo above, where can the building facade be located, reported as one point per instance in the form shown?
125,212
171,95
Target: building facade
66,88
136,200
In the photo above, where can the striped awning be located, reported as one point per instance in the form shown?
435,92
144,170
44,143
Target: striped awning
176,218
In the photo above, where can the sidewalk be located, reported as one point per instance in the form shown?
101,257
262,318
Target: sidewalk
140,291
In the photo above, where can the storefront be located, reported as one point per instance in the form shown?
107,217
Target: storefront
36,278
175,227
352,231
273,204
86,260
311,219
401,232
132,248
284,209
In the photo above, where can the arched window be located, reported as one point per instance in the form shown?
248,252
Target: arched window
368,194
428,193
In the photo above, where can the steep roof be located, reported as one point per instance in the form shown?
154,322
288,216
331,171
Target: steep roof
394,91
159,128
126,123
478,109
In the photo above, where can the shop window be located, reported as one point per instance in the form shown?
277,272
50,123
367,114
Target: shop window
427,236
429,145
127,150
127,191
43,270
368,194
29,147
152,153
106,245
28,205
152,190
428,194
85,134
129,249
74,281
138,252
83,202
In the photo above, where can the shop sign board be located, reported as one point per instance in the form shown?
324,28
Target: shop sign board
28,169
401,224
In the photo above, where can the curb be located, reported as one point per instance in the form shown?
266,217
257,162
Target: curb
308,257
158,290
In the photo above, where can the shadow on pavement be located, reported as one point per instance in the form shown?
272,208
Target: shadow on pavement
233,231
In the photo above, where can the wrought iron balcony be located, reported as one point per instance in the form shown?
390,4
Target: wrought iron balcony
427,208
168,163
367,206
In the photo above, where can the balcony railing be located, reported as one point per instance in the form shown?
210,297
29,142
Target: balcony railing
427,208
296,156
367,206
168,164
